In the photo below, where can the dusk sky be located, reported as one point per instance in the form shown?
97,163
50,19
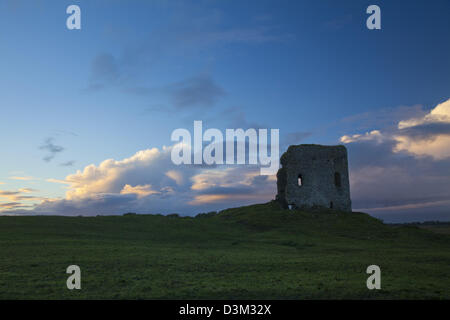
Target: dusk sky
87,115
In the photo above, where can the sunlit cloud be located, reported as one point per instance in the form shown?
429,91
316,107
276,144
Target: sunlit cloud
16,200
16,196
23,178
14,205
229,177
111,175
428,135
404,166
208,179
27,190
147,182
437,147
176,176
374,135
140,191
441,113
214,198
57,181
8,193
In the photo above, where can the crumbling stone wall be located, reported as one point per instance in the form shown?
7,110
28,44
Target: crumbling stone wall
314,176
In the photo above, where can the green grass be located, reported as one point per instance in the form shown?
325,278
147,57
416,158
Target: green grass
254,252
443,228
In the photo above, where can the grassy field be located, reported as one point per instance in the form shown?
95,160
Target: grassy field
254,252
443,228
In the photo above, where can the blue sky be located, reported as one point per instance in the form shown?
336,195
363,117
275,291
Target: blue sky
137,70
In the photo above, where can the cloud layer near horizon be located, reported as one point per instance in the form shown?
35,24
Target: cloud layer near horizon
148,182
405,168
400,170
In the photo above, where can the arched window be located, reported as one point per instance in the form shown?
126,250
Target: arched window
300,180
337,179
331,204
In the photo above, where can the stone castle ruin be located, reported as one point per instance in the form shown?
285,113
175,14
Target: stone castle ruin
314,176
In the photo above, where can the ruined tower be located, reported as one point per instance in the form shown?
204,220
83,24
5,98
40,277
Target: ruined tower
314,176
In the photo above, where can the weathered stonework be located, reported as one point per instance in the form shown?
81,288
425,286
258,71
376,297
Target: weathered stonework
314,176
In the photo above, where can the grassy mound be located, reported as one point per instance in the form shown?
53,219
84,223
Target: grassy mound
253,252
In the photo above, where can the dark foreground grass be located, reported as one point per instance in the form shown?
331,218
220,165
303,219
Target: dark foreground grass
255,252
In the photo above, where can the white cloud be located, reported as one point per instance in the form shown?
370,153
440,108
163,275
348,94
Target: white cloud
140,191
57,181
22,194
148,182
209,179
25,178
441,113
437,146
368,136
427,135
27,190
403,166
111,176
177,176
226,198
